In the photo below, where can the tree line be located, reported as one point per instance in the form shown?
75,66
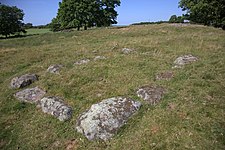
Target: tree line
89,13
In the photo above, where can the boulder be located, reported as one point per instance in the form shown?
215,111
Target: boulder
151,94
127,50
183,60
30,95
54,69
165,75
99,58
83,61
23,81
56,107
104,119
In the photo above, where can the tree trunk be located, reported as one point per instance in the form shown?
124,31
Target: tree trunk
78,28
85,27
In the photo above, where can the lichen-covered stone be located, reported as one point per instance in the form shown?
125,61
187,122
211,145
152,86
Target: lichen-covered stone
54,69
99,58
165,75
183,60
104,119
23,81
127,50
151,94
30,95
83,61
56,107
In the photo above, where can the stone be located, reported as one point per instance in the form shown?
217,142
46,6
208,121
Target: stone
30,95
23,81
165,75
127,50
183,60
83,61
99,58
151,94
104,119
54,69
56,107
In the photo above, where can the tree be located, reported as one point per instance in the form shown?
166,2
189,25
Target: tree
10,20
173,19
28,25
207,12
85,13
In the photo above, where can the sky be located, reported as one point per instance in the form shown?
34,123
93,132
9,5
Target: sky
41,12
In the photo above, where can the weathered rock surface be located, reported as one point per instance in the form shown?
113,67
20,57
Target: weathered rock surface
151,94
183,60
54,68
83,61
99,58
23,81
104,119
127,50
165,75
56,107
31,95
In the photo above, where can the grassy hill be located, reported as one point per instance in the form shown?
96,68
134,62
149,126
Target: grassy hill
190,116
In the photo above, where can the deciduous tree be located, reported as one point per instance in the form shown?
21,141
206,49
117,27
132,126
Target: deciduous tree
10,20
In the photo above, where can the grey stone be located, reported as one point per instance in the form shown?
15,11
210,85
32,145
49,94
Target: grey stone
30,95
183,60
104,119
165,75
99,58
56,107
23,81
83,61
151,94
54,69
127,50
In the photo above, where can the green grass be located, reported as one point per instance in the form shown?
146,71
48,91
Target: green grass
197,91
37,31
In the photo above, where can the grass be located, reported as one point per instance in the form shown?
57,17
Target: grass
37,31
196,120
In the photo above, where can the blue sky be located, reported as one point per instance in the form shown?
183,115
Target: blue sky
41,12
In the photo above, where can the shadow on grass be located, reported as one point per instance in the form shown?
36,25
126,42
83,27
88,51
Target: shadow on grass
18,36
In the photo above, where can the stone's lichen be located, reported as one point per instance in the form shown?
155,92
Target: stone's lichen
81,62
54,69
151,94
31,95
104,119
127,50
56,107
99,58
183,60
23,81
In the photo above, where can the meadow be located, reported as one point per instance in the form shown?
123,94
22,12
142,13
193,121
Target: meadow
190,116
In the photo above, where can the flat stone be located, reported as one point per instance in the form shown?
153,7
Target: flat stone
83,61
151,94
183,60
127,50
104,119
165,75
99,58
54,68
30,95
56,107
23,81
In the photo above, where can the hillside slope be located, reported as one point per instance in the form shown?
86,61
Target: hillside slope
190,116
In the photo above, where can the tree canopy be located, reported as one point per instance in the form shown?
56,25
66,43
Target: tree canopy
10,20
207,12
85,13
175,19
